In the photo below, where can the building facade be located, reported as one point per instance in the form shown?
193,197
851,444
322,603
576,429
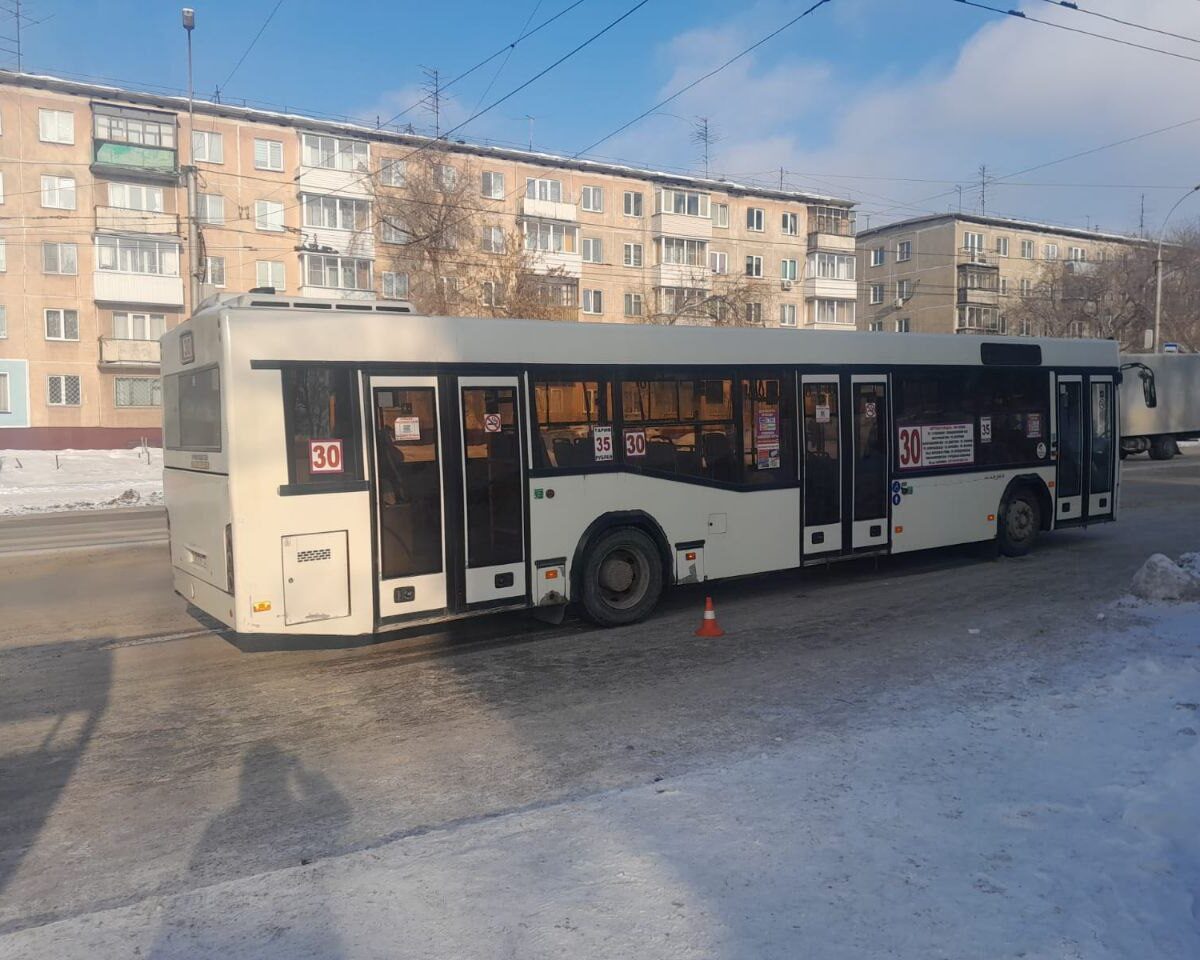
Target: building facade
95,253
960,273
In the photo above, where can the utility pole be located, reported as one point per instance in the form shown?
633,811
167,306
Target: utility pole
433,97
189,172
983,189
1142,218
959,189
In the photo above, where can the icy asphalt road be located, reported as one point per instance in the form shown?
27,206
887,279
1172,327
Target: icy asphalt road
133,766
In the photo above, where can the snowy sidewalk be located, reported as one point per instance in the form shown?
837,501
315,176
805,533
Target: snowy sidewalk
33,481
1058,821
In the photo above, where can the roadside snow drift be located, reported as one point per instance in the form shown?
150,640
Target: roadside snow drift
32,481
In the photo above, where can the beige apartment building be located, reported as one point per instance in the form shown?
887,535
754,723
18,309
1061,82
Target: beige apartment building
961,273
94,253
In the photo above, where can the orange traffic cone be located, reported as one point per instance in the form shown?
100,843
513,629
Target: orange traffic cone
709,626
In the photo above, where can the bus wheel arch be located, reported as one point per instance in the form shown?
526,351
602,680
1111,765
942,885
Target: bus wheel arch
1025,510
629,543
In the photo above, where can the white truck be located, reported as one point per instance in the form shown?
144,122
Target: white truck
1157,429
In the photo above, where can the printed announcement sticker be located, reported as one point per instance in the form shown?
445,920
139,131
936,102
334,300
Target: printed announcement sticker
1033,425
325,456
937,445
602,448
985,429
407,428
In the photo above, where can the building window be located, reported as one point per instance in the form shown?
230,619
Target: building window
877,257
903,325
61,258
720,214
876,293
790,225
592,199
58,193
593,301
492,185
539,189
210,208
633,254
270,273
138,326
395,286
334,153
1002,246
903,290
5,399
491,240
550,236
335,213
875,326
832,266
1027,249
840,312
128,255
1050,251
633,304
3,322
138,392
903,251
633,203
448,176
214,271
787,269
1078,329
982,319
56,126
151,137
690,253
1077,254
268,215
208,146
338,273
392,172
753,312
62,324
718,261
754,266
787,314
973,242
135,196
63,391
1026,287
688,203
680,300
268,154
593,250
1024,327
1004,286
756,218
3,255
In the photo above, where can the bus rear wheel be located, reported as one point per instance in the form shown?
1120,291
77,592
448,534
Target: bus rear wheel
622,577
1163,448
1020,521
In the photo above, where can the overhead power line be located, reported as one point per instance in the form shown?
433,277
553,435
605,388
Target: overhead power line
1020,15
246,52
1068,5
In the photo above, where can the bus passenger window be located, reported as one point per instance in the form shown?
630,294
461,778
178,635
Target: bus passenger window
192,410
318,405
681,426
768,432
567,411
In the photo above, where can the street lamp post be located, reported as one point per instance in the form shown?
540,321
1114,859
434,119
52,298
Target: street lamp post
189,24
1158,272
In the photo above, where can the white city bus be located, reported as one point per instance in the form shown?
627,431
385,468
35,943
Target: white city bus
349,467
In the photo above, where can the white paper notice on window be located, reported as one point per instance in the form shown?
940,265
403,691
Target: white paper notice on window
407,428
822,413
985,429
602,443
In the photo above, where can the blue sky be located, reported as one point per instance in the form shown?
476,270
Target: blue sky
864,98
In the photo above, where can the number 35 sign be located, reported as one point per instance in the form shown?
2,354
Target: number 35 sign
325,456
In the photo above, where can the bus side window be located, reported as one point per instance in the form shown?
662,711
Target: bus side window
319,416
768,431
568,411
681,425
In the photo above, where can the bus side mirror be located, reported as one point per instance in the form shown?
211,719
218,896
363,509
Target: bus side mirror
1149,393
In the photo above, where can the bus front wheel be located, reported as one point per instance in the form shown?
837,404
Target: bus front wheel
622,577
1020,521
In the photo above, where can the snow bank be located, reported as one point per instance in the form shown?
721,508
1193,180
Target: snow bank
1160,578
32,481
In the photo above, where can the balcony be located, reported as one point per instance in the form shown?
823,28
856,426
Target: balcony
548,209
828,288
546,261
160,164
323,180
681,225
349,243
692,276
149,289
979,296
980,320
831,242
120,220
129,354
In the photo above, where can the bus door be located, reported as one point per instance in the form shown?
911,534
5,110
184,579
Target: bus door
821,436
1102,454
1071,448
869,464
409,477
493,535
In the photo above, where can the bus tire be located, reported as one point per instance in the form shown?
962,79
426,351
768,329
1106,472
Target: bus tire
622,577
1020,521
1162,448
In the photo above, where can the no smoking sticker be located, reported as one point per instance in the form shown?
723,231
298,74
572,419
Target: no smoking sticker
491,423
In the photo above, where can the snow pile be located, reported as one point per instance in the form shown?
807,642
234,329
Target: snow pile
1160,578
32,481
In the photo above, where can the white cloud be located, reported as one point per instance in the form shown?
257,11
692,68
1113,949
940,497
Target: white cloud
1017,94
